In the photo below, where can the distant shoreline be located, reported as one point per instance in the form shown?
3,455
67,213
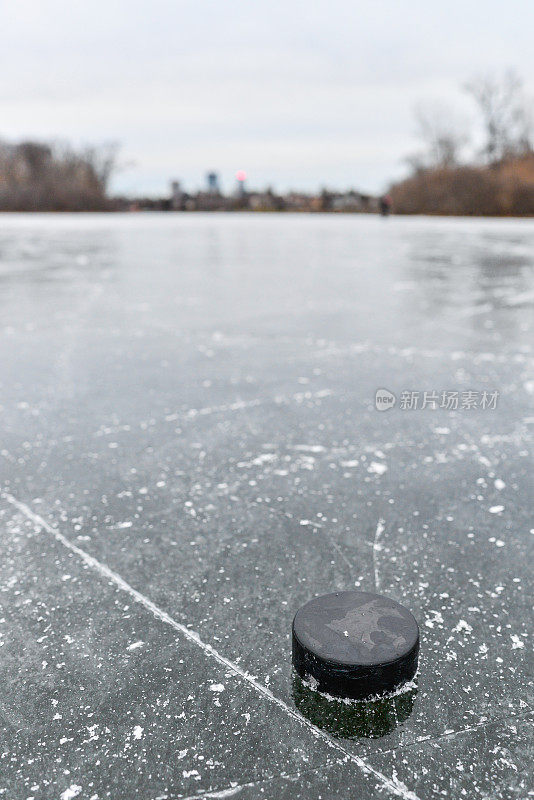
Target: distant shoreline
239,212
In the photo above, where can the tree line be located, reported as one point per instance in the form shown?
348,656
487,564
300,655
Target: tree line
452,174
36,176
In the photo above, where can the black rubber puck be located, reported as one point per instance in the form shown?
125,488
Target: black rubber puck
355,644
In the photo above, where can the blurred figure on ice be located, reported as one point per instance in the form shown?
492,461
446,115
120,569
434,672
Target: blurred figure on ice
385,205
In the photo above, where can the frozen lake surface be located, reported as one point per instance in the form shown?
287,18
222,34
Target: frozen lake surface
191,450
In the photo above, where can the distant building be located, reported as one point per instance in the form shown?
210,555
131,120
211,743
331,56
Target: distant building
212,180
265,201
177,196
347,202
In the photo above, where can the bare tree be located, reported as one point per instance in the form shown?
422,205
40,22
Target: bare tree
37,176
444,135
506,115
104,161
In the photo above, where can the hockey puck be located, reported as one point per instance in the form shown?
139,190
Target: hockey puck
355,644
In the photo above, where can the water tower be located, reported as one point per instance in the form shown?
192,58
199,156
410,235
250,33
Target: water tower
241,177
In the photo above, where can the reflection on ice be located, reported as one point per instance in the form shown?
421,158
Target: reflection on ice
354,719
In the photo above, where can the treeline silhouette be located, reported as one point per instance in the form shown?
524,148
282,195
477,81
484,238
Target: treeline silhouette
500,190
497,179
37,176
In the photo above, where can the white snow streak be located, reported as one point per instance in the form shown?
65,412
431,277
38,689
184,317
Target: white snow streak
377,547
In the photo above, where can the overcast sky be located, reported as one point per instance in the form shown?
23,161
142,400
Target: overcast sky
299,94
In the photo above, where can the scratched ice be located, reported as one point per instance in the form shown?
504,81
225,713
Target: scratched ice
190,451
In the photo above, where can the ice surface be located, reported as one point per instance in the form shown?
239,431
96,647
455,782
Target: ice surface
191,451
